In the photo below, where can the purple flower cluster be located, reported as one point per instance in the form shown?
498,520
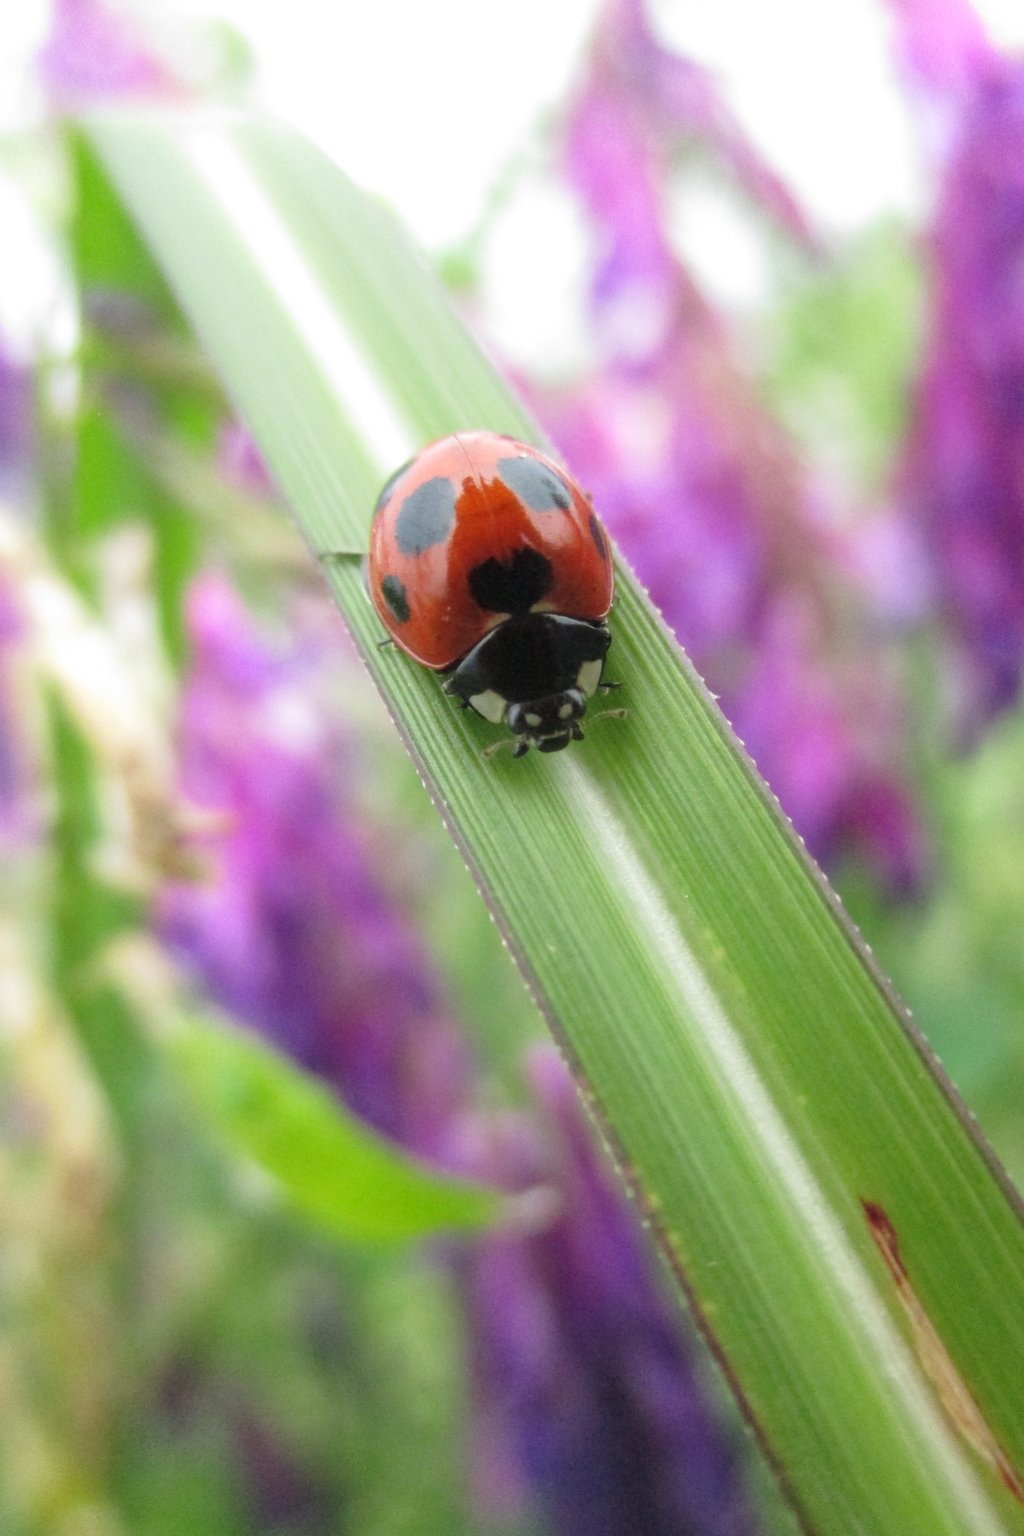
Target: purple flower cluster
588,1399
294,933
240,462
696,481
963,473
586,1383
17,432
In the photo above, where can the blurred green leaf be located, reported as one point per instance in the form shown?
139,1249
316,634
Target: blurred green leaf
329,1165
842,348
137,372
958,955
748,1064
105,246
86,914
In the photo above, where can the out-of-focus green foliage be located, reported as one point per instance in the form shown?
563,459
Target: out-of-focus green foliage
840,353
958,954
141,368
328,1165
60,1347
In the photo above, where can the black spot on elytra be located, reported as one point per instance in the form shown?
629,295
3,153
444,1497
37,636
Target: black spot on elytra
534,483
426,516
394,595
511,588
597,536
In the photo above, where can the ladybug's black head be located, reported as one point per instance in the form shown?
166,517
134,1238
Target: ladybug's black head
534,673
547,724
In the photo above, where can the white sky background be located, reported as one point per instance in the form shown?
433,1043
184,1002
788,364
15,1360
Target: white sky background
427,101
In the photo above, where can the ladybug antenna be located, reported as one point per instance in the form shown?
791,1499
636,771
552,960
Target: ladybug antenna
610,714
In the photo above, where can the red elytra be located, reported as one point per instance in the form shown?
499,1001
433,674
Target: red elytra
479,528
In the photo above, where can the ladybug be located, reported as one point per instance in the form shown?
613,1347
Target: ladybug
488,563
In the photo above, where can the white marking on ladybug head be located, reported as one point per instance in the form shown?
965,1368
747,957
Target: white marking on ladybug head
564,712
533,719
490,704
588,677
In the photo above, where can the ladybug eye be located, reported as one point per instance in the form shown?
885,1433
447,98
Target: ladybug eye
536,484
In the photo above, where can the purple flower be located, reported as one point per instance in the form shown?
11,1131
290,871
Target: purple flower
643,101
695,480
92,53
963,473
241,463
586,1382
941,45
667,472
295,933
821,730
637,104
17,435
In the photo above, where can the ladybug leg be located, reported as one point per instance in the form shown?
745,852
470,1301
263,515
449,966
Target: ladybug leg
607,687
449,687
577,731
521,747
383,644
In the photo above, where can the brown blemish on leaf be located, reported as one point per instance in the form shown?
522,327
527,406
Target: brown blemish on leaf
960,1407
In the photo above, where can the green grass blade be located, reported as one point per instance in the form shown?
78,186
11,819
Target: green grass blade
326,1163
750,1069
